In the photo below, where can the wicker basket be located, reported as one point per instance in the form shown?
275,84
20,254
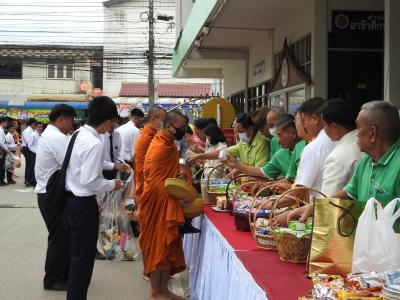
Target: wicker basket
263,241
290,247
237,179
212,196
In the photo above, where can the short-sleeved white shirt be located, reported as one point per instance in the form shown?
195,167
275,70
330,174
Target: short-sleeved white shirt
311,167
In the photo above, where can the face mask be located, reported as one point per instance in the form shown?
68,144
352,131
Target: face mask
243,137
179,133
208,144
272,131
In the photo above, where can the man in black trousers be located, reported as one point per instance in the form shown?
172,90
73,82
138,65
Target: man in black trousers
26,136
3,150
50,154
84,181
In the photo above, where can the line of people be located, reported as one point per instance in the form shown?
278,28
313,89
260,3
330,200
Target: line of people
327,146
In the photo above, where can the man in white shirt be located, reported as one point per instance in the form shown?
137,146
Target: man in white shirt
12,148
129,132
340,125
113,161
26,136
311,166
50,155
32,145
3,150
84,180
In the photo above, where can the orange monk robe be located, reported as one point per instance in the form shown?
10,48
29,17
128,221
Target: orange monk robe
141,146
161,215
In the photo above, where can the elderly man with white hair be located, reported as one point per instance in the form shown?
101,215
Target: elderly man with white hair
378,172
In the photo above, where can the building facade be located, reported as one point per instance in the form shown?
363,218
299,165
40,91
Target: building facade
49,72
283,52
126,46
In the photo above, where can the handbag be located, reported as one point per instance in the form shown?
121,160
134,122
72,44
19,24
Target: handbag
332,237
55,188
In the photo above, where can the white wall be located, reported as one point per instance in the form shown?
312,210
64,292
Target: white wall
182,12
261,51
34,80
234,76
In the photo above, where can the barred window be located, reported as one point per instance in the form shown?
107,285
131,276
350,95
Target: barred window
60,71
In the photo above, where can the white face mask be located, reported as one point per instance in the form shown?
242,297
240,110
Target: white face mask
243,137
272,131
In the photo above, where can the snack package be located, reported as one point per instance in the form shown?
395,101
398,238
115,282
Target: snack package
392,281
354,295
371,282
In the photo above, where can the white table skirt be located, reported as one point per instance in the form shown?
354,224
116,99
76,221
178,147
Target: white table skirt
215,272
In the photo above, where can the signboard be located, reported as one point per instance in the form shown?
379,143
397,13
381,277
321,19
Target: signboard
40,114
358,21
259,68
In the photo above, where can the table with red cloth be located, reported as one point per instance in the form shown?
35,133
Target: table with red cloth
224,263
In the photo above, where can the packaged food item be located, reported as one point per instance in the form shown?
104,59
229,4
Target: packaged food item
262,222
392,281
371,281
357,295
297,226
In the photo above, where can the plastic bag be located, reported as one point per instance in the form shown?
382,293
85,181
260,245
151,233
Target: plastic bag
377,246
11,160
115,232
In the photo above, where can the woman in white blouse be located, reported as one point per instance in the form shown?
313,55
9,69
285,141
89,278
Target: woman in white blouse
215,140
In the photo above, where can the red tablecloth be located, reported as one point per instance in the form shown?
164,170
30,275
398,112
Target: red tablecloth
280,280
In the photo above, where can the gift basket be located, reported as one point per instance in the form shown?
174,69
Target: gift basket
244,204
211,188
234,184
115,232
293,243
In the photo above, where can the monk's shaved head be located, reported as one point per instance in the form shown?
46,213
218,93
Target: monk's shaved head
385,116
156,110
175,118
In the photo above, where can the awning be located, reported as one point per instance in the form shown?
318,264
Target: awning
49,105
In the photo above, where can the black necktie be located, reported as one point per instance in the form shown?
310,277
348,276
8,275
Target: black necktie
111,148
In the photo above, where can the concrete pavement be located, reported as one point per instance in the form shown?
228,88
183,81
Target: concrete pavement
22,252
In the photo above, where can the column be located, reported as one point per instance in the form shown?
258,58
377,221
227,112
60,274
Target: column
391,84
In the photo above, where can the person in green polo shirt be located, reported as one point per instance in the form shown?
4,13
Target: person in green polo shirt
253,147
279,164
273,115
378,172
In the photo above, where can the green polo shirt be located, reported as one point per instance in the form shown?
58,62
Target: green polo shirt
380,180
256,154
278,165
295,160
275,146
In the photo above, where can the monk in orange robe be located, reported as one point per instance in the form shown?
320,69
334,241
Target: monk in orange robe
161,215
156,116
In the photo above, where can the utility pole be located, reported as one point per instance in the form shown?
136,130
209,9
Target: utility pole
150,58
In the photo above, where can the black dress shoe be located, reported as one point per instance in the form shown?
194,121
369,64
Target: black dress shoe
187,228
11,182
56,287
2,183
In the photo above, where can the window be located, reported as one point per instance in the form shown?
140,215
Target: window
114,68
301,53
10,69
119,17
258,96
60,71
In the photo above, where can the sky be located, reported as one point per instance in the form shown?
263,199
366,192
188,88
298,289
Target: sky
51,22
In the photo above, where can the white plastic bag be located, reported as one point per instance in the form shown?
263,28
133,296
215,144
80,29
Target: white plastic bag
115,233
376,245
